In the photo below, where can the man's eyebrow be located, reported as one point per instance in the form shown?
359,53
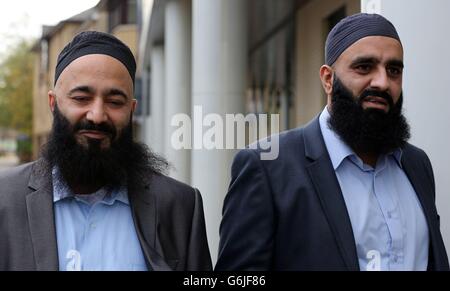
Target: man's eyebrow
84,89
365,60
372,60
115,92
396,63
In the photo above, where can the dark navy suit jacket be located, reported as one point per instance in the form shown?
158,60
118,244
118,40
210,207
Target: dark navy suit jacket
289,213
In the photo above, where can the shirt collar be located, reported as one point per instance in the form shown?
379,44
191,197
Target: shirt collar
397,154
120,194
337,148
61,191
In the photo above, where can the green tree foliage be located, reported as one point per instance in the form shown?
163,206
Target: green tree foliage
16,88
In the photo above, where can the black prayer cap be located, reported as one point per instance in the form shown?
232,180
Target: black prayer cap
94,42
353,28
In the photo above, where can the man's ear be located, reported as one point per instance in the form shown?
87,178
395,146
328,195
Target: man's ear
51,100
133,105
327,78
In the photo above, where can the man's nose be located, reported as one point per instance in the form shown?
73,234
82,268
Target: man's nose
97,113
380,80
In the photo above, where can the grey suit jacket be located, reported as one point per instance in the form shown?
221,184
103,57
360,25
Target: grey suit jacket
167,214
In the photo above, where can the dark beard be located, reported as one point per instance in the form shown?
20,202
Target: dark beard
90,166
370,131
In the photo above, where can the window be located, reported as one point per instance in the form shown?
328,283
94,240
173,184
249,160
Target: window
122,12
271,58
335,17
44,61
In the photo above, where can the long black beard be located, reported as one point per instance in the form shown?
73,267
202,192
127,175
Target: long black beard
370,131
124,161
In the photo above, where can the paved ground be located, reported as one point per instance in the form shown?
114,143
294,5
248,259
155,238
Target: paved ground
8,161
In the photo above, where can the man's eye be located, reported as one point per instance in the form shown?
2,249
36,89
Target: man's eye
394,71
363,68
116,103
80,98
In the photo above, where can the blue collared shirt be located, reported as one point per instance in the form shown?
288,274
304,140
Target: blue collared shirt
95,232
389,226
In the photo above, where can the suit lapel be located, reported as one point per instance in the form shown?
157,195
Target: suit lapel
41,220
415,173
324,179
143,205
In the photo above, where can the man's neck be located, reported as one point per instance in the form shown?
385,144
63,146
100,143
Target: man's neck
368,158
85,190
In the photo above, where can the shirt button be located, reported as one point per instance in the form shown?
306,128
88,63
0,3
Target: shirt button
395,259
389,215
93,226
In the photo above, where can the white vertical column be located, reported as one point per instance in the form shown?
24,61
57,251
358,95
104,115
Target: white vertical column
219,82
156,131
178,79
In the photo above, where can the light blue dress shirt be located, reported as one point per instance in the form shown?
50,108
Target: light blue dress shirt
95,232
389,226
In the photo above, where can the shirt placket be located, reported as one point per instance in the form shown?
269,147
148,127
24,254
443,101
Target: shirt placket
390,208
91,234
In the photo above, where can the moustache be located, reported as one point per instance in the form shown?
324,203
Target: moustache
375,93
101,127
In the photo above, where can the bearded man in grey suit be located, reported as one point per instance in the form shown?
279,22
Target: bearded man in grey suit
97,200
